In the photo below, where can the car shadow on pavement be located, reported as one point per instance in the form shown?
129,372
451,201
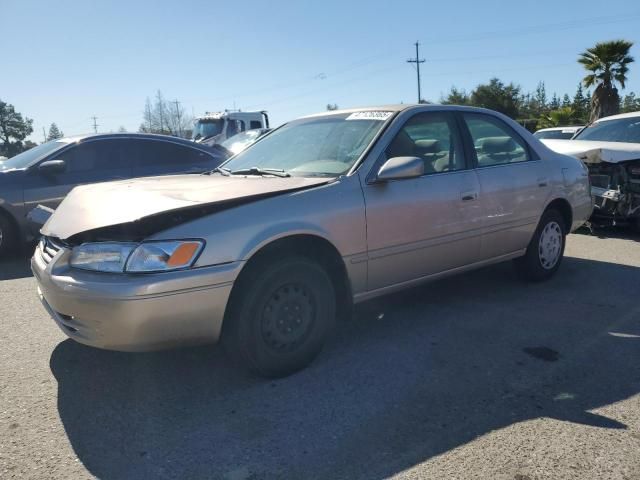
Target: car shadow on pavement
412,376
16,265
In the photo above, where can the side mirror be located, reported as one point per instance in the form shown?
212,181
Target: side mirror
398,168
52,167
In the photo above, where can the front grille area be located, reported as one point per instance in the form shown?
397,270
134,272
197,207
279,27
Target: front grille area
49,248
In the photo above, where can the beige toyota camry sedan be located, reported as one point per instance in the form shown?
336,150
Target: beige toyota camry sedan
323,212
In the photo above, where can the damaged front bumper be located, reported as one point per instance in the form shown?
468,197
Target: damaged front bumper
616,192
133,312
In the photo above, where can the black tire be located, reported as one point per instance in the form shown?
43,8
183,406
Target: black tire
279,316
7,235
543,258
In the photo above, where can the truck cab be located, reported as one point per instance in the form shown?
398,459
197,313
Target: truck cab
215,127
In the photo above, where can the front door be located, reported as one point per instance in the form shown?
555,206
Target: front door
422,226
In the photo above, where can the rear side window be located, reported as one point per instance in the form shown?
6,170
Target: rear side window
154,153
494,141
97,155
253,124
434,138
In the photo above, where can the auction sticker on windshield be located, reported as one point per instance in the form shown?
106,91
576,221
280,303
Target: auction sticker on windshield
369,115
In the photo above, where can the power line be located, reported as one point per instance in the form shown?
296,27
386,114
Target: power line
95,125
417,61
178,114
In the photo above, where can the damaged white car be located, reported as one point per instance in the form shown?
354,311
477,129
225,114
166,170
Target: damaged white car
610,147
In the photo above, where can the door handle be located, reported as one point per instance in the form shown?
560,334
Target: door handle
468,196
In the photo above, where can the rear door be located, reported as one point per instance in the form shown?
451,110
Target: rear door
514,184
421,226
156,157
91,161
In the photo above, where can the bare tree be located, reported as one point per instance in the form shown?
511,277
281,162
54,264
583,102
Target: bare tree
167,118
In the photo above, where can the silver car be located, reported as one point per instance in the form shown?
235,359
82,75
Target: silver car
328,210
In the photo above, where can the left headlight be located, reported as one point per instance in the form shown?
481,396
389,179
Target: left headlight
153,256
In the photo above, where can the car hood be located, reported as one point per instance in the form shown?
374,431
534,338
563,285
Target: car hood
101,205
594,151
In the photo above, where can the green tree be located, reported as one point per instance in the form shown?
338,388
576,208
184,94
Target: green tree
539,101
54,132
554,104
566,100
561,117
13,130
608,64
332,106
630,103
455,97
580,104
497,96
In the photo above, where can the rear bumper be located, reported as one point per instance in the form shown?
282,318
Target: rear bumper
135,312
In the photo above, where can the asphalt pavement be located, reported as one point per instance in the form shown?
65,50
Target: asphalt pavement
476,376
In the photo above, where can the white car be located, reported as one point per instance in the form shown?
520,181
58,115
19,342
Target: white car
610,147
558,133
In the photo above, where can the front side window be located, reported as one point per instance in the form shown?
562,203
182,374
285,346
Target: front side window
432,137
328,145
97,155
494,142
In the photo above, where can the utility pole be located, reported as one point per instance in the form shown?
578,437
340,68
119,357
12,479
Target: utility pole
44,134
417,61
178,115
95,125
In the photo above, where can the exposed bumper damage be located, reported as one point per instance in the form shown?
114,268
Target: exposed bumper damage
615,188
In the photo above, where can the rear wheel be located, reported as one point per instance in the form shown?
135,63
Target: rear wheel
7,235
546,248
280,316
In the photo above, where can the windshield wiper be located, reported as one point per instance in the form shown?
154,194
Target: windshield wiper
261,171
222,170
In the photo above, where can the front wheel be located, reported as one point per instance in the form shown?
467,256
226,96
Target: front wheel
546,249
280,315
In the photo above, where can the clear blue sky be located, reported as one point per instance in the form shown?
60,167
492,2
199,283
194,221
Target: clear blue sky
65,61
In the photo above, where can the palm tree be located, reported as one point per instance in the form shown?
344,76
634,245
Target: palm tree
608,63
561,117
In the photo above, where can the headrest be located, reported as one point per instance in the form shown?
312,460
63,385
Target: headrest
498,145
428,146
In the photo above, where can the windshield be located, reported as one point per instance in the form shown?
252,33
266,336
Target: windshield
239,142
31,156
555,134
621,130
207,128
325,146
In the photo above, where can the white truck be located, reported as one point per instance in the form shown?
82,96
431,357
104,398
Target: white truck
215,127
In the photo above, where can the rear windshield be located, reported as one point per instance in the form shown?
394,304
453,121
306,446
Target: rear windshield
555,134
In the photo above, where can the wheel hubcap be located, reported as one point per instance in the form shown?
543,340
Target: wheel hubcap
550,245
287,317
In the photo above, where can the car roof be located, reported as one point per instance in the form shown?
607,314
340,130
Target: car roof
620,115
143,136
401,107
